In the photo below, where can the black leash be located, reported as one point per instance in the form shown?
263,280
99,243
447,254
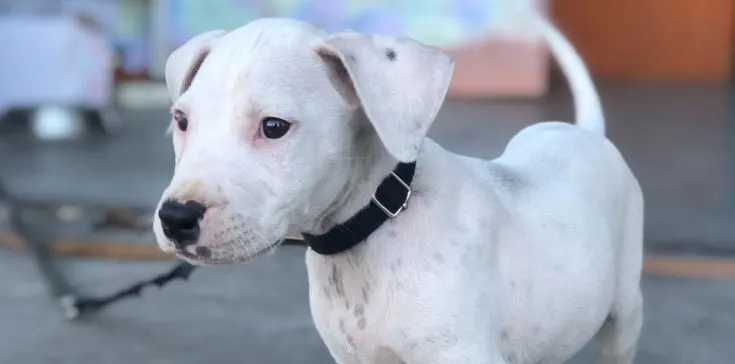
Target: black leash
80,306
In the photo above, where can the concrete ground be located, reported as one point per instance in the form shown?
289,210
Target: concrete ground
258,313
678,141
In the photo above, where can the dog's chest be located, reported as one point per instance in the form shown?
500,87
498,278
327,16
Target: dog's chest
349,311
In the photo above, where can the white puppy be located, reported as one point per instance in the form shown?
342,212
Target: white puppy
282,128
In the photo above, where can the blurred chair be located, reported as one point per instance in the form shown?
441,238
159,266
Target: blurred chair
61,61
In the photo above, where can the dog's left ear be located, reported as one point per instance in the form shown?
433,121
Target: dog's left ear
184,62
400,84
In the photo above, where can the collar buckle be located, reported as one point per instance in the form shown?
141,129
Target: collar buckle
403,206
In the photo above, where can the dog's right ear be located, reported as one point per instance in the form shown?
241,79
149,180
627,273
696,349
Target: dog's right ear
399,82
184,62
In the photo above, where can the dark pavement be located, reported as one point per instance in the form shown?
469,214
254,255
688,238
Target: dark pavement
258,313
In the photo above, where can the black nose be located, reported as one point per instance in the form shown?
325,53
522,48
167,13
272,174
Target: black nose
180,221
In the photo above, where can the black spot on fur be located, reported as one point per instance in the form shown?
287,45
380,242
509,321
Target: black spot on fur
350,341
366,289
504,335
325,290
335,279
353,261
390,53
203,252
505,177
359,311
438,257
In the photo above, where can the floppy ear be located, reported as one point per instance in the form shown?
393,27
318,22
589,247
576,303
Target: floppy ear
399,83
184,62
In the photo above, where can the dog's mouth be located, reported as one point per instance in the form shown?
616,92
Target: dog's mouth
204,259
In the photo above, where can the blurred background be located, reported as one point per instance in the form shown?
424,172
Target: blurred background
84,158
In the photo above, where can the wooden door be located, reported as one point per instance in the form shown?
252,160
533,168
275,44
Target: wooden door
652,40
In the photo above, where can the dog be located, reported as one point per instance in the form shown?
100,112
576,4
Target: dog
416,255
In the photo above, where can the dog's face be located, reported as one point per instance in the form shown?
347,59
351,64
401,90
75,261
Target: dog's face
276,123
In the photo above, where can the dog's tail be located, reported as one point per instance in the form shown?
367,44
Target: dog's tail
587,105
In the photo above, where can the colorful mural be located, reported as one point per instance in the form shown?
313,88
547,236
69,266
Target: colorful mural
131,35
437,22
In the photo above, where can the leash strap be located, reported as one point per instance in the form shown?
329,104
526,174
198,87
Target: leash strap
389,200
75,306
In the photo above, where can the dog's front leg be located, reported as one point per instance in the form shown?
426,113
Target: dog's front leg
339,344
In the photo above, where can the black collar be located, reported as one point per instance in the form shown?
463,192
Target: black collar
388,201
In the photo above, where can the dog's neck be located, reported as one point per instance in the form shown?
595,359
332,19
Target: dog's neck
365,176
368,167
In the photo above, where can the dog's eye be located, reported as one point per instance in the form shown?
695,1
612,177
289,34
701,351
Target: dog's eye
181,121
274,128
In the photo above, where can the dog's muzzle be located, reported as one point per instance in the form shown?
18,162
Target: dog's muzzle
180,222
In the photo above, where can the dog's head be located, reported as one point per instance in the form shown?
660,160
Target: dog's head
277,126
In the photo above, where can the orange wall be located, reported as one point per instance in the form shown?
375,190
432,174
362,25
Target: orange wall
644,40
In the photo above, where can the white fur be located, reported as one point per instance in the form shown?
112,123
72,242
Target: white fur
522,259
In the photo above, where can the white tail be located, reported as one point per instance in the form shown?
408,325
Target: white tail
587,105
